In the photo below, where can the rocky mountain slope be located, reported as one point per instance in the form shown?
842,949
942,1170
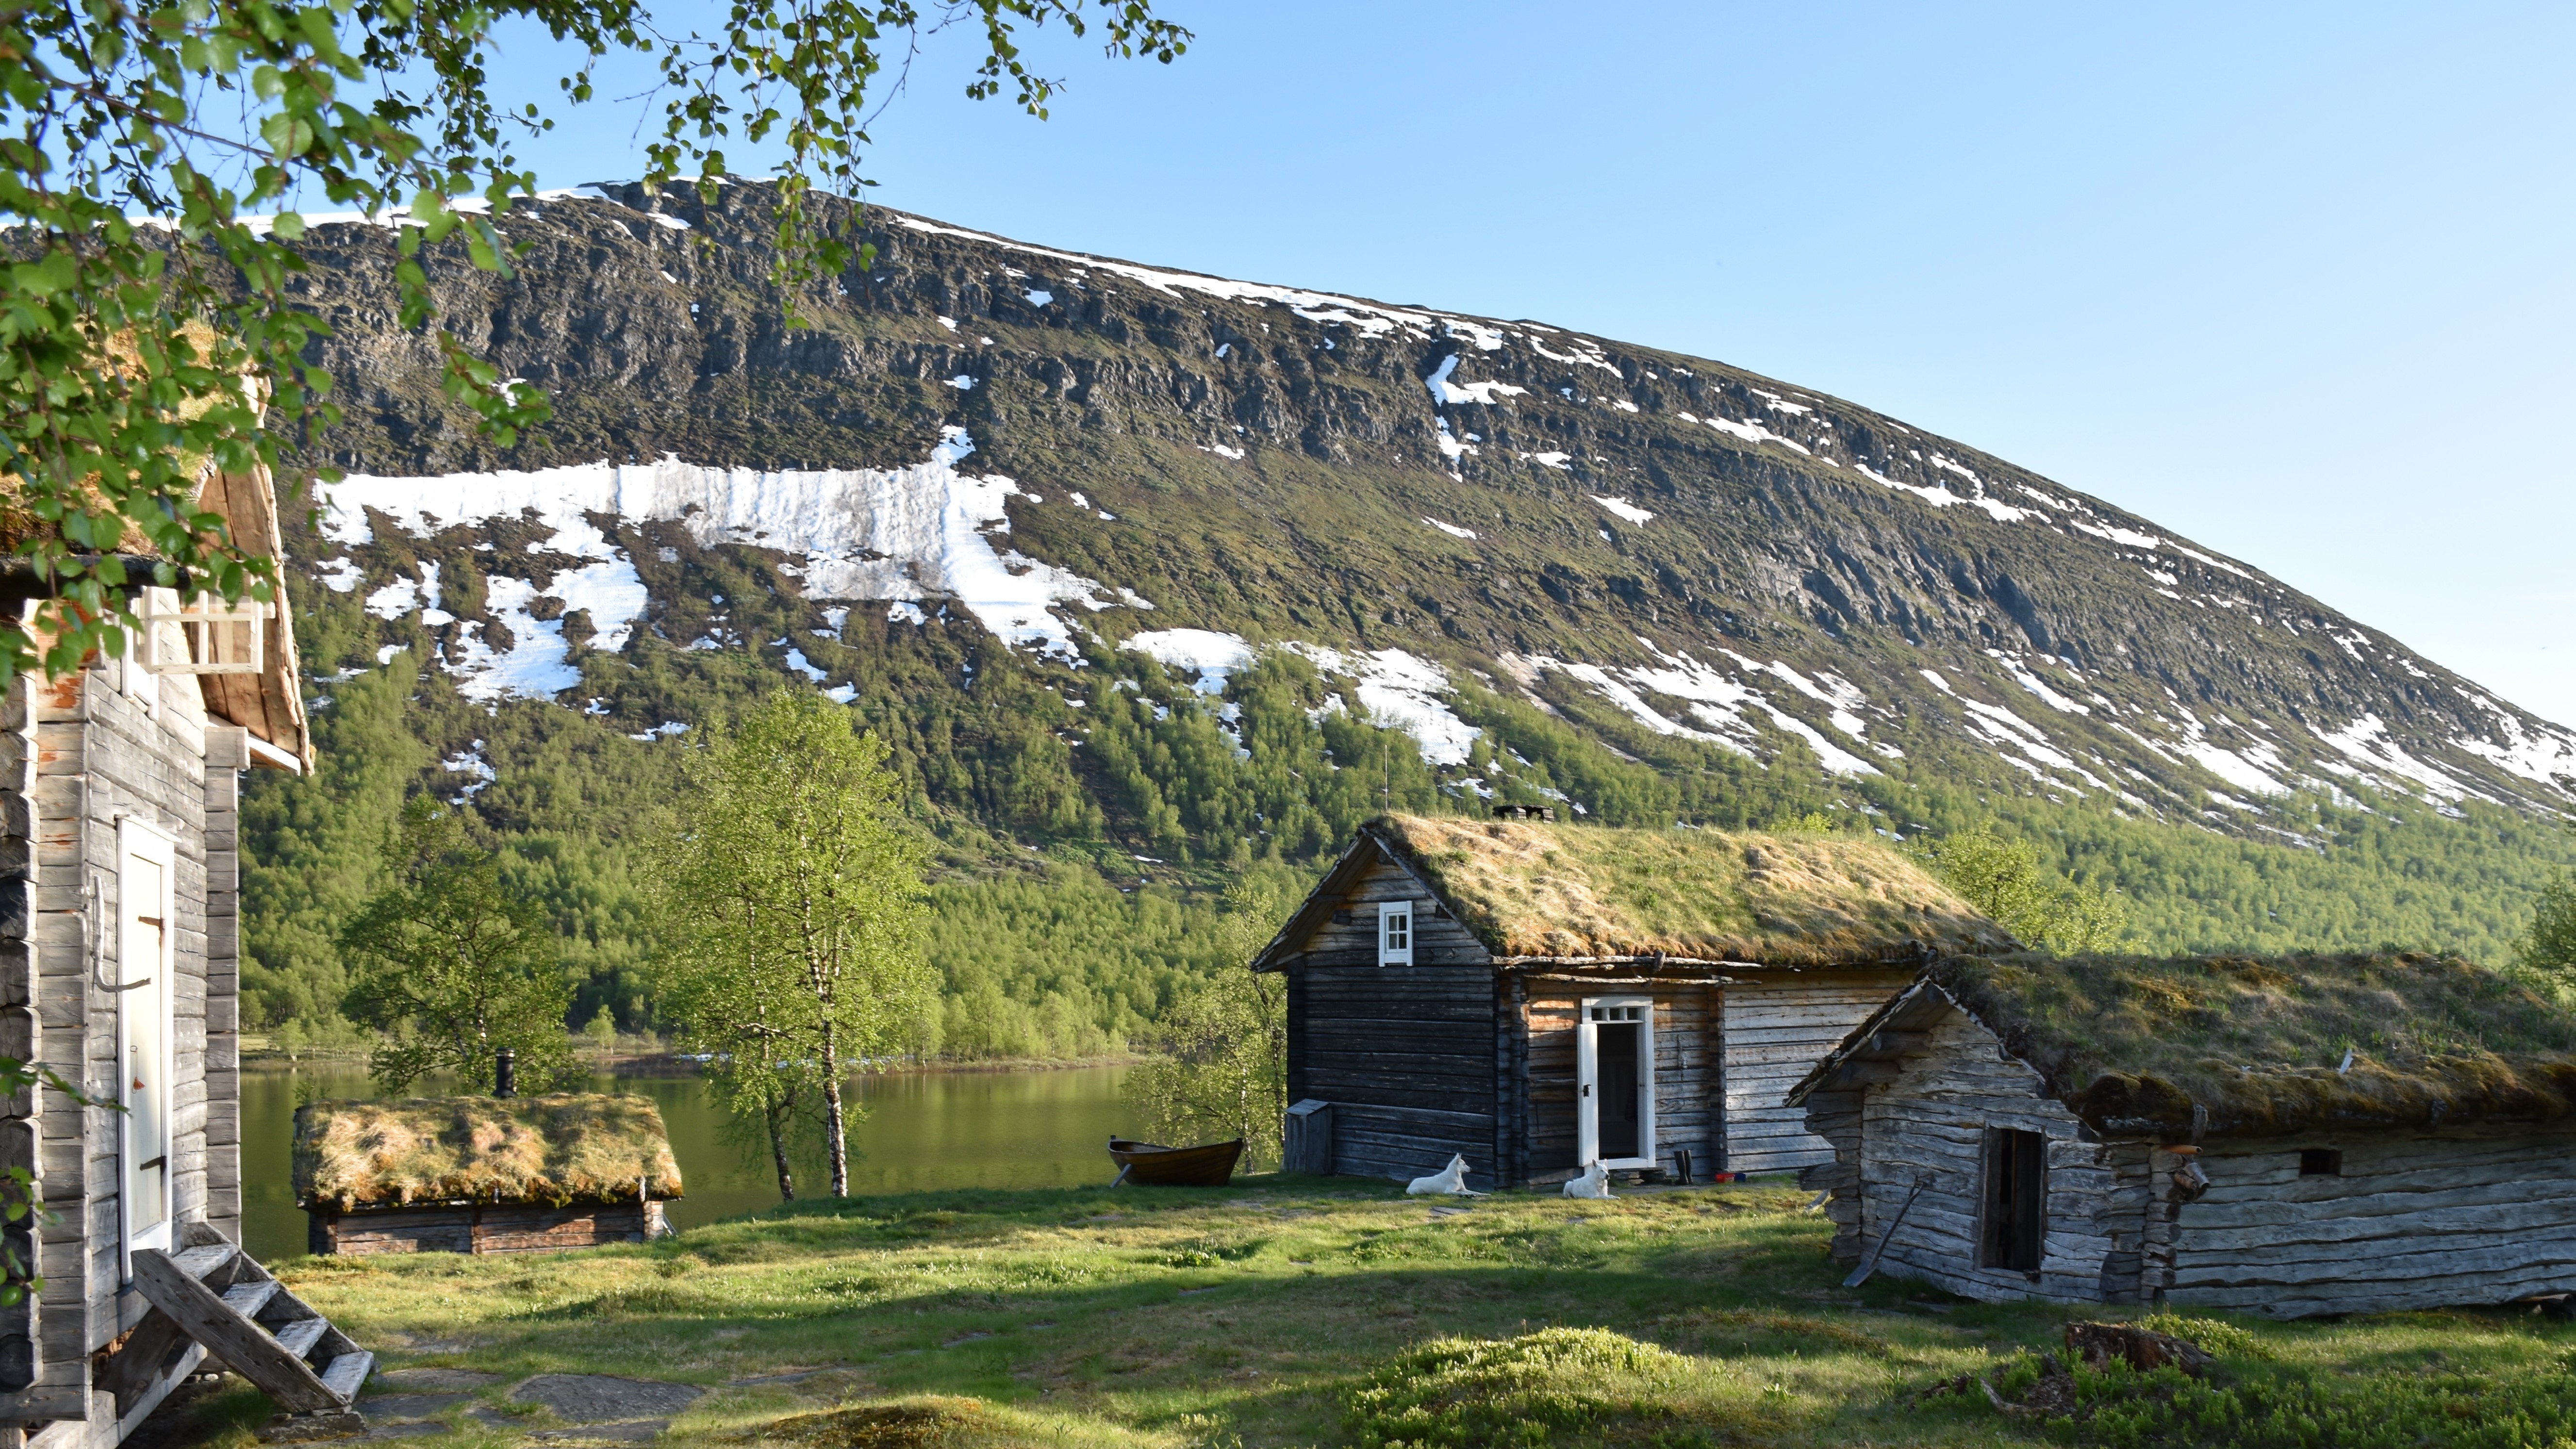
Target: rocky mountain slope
1074,455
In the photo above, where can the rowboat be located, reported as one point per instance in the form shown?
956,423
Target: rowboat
1149,1164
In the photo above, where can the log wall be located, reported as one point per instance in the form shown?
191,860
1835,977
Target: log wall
1777,1025
1407,1055
1686,1074
75,756
1928,1125
2415,1220
483,1228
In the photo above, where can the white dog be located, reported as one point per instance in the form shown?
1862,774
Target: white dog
1450,1181
1595,1182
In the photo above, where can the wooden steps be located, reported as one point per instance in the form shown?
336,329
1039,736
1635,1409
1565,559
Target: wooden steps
223,1298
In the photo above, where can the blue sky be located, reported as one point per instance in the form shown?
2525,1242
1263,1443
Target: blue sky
2292,281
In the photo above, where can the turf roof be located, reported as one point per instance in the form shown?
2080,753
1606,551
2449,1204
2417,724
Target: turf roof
2133,1043
1528,888
566,1148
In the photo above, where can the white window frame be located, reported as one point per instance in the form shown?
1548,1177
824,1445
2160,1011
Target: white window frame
1395,933
1591,1011
138,839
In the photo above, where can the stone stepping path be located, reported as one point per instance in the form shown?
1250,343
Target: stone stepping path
405,1403
586,1408
605,1407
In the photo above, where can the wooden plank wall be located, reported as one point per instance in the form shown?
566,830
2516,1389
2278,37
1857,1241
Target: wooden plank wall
1930,1124
223,1182
79,753
2416,1220
485,1229
1686,1074
1778,1025
1407,1054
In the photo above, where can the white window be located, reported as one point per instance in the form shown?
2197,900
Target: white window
145,963
1614,1070
1395,933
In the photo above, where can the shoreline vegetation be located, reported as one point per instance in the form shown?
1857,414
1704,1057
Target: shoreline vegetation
1286,1311
260,1052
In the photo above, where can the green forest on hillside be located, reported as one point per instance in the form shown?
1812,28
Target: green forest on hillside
1087,820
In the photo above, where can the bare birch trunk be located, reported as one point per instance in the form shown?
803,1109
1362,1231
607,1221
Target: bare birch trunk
777,1113
835,1132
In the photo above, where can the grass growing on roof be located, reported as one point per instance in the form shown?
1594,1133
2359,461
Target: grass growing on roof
1288,1312
1532,889
556,1149
2261,1042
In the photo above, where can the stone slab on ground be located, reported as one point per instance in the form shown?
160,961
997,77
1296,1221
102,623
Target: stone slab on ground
632,1431
411,1429
606,1399
394,1408
430,1380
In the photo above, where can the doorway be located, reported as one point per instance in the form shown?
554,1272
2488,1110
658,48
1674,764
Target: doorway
1615,1082
146,873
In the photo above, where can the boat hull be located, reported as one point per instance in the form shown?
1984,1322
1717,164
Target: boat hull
1149,1164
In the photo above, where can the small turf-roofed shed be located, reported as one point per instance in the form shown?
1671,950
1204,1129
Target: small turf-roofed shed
483,1174
2293,1136
1540,997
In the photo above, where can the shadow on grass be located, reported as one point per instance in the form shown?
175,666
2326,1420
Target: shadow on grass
1263,1309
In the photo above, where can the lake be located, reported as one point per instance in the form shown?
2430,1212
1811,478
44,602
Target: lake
923,1130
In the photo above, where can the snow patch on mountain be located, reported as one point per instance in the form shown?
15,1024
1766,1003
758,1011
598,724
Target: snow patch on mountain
1443,391
893,534
1717,700
1369,318
2540,753
1401,690
1212,654
2365,743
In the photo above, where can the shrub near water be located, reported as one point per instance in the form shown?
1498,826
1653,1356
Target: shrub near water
1556,1386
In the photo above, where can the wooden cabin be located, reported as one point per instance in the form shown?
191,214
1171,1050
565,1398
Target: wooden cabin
2295,1136
120,954
483,1174
1540,997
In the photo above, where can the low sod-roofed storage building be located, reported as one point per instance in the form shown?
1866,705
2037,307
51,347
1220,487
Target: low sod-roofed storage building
483,1174
2291,1136
1539,997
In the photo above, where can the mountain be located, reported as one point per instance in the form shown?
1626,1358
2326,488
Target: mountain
1141,566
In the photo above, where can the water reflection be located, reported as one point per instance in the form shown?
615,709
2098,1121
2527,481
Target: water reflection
923,1130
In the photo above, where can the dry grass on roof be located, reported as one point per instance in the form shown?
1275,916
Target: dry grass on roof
2134,1043
566,1148
1528,888
19,522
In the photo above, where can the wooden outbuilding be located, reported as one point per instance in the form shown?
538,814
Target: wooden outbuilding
483,1174
119,960
2290,1136
1540,997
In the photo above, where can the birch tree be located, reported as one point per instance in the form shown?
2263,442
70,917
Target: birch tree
449,966
1223,1071
791,904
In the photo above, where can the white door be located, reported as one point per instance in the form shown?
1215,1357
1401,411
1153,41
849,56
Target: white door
1614,1073
145,963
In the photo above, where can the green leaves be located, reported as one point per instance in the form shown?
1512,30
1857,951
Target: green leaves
790,905
2046,911
449,967
198,113
2548,949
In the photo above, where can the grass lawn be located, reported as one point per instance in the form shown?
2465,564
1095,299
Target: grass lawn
1331,1311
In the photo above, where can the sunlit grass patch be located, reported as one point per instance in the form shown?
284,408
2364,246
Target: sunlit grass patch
1263,1313
1558,1386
